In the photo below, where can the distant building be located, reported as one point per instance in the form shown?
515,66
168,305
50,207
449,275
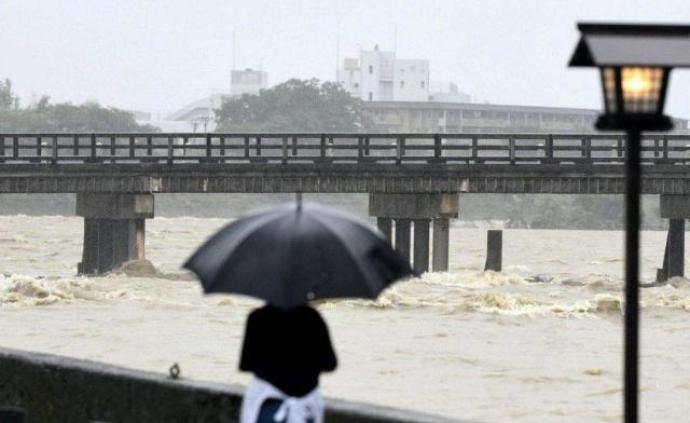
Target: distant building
378,75
200,115
247,81
476,118
444,117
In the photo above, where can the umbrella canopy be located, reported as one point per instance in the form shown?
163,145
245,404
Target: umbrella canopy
291,254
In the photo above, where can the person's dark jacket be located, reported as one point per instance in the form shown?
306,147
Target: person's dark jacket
287,348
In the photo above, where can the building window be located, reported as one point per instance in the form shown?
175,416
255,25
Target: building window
371,96
371,69
402,84
421,84
356,84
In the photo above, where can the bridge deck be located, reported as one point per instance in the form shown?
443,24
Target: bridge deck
489,163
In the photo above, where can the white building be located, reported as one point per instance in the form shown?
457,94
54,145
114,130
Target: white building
200,116
247,81
379,76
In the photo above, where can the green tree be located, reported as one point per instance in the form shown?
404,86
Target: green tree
293,106
64,117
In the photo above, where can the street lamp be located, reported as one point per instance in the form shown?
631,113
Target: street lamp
635,62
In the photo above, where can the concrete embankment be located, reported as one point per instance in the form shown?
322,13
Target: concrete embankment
60,389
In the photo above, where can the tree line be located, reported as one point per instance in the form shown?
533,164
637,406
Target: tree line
44,116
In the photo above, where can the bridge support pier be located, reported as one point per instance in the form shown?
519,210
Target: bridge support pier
402,237
441,242
676,208
421,210
421,245
114,229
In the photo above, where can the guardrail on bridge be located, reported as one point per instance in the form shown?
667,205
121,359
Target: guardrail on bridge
286,148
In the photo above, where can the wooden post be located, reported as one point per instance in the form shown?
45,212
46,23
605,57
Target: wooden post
170,150
132,148
322,147
421,245
93,147
438,148
284,151
149,146
494,250
549,148
676,248
113,150
54,151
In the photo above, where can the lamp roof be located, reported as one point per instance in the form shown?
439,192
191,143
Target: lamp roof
632,45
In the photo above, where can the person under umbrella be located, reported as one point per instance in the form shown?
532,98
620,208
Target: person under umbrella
288,256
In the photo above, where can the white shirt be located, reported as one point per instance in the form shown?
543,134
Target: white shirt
295,409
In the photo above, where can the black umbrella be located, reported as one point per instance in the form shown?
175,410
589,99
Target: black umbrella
291,254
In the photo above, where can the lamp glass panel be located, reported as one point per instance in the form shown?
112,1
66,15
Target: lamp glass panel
641,88
608,76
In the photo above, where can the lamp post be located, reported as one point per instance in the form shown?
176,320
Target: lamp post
635,62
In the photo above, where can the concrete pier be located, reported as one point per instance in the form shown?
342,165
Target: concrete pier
402,237
385,225
421,209
114,229
494,250
441,241
676,248
421,245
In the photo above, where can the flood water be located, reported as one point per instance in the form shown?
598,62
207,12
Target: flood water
539,342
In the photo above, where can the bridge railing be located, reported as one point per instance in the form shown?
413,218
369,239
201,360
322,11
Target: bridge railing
172,148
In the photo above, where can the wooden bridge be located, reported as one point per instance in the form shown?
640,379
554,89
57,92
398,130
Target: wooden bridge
413,179
389,163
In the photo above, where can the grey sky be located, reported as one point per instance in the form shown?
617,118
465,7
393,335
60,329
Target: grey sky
161,54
